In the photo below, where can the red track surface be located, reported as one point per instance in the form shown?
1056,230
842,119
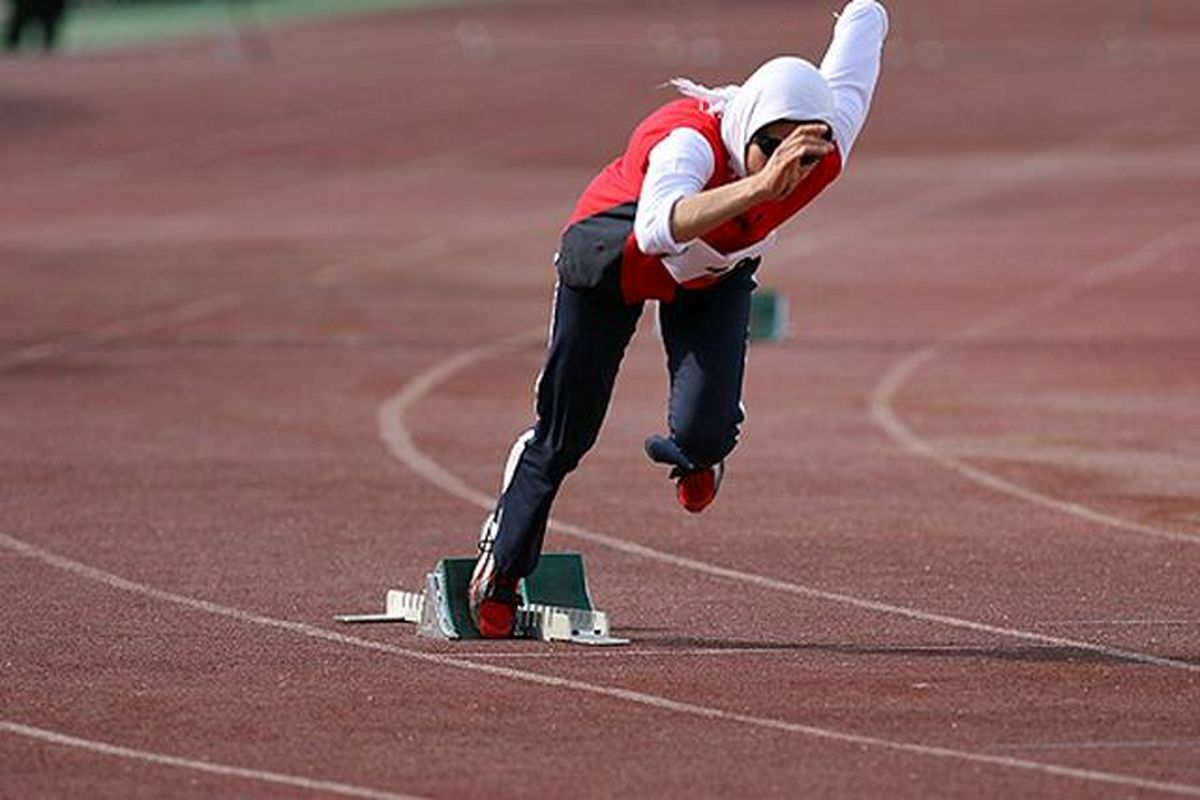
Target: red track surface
957,553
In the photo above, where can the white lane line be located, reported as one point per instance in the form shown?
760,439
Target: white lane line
807,650
961,181
572,652
1119,622
883,397
200,308
190,311
212,144
1149,744
598,690
1070,162
394,430
223,770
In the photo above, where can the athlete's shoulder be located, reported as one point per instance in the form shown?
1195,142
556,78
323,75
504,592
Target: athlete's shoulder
684,112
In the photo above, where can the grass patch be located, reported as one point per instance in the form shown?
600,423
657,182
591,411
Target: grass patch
104,26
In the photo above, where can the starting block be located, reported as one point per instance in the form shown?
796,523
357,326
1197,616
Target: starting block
556,607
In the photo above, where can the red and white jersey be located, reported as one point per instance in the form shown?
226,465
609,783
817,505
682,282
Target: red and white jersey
621,223
645,276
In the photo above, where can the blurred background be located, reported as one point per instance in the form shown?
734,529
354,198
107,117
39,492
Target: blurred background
92,25
192,90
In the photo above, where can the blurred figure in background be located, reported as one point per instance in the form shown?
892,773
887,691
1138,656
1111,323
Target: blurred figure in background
46,14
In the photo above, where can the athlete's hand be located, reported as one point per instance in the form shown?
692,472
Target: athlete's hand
793,160
696,215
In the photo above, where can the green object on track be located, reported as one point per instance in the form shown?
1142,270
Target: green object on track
559,580
454,575
555,604
768,316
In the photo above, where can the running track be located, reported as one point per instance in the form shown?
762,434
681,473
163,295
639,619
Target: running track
268,333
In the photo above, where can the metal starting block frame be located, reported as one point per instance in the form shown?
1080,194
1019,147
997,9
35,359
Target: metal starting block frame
557,605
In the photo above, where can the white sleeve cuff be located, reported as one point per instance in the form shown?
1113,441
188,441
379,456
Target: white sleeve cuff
680,166
851,67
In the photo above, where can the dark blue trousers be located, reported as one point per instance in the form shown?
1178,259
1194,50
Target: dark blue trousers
704,333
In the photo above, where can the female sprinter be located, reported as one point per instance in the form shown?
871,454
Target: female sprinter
683,217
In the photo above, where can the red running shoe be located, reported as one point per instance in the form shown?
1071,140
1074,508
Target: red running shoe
697,490
494,606
493,598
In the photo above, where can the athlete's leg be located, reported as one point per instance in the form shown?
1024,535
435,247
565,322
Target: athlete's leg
704,333
590,331
52,13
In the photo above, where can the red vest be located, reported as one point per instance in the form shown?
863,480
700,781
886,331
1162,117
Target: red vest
644,277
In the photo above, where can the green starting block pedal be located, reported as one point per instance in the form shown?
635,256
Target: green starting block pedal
768,316
556,607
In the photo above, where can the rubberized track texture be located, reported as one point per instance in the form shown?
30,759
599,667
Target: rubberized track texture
267,331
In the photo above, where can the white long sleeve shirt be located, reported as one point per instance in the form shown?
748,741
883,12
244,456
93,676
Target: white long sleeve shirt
682,163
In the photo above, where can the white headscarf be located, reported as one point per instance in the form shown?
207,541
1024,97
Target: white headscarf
783,88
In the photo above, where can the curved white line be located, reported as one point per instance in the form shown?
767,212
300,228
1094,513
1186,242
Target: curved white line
188,311
394,430
224,770
599,690
884,394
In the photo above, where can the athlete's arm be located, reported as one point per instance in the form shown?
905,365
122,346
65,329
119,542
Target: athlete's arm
851,67
673,211
694,216
679,166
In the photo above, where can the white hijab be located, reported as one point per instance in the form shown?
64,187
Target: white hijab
783,88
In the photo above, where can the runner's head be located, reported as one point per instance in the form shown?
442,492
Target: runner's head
785,89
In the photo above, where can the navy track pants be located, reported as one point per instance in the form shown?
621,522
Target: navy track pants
704,333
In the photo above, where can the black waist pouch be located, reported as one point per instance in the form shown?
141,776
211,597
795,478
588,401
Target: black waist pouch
589,256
